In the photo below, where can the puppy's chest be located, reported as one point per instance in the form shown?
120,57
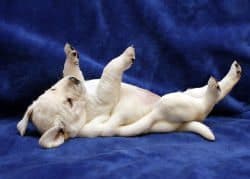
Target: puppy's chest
95,109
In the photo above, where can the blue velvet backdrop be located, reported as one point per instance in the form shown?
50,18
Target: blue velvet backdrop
179,44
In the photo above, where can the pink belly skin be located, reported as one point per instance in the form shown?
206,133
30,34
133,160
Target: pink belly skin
146,97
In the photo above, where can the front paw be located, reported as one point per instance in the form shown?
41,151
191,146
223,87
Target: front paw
129,54
235,71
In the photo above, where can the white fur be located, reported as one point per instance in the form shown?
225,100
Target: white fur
108,107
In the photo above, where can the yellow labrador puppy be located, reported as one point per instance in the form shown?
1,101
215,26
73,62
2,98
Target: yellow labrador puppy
74,107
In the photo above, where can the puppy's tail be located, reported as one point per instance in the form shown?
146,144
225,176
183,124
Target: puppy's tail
22,125
199,128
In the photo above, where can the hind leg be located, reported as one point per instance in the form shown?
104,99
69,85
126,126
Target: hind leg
226,84
157,121
149,125
164,116
108,89
154,121
141,126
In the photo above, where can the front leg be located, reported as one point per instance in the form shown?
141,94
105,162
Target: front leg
108,89
71,65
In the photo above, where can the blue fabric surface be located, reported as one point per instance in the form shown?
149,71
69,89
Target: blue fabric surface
179,44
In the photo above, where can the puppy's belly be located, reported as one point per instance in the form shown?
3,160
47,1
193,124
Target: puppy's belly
134,102
127,91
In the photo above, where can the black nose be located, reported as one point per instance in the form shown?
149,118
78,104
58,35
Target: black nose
74,80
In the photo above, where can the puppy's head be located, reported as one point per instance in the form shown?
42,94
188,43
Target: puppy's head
54,111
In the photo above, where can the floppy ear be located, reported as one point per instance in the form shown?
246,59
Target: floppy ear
22,125
52,137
